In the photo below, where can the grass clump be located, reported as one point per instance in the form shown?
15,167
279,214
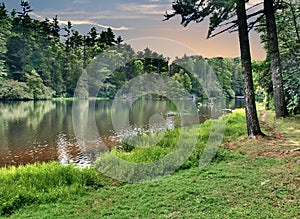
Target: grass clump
184,144
43,183
235,125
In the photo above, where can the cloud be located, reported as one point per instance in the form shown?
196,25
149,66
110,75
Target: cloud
88,22
84,22
69,15
151,9
37,16
81,2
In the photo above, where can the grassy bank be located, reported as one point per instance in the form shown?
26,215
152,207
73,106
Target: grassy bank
241,183
74,98
182,148
43,183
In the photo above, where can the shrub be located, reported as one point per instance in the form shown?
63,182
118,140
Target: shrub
14,90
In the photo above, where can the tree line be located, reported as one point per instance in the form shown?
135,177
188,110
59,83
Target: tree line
42,59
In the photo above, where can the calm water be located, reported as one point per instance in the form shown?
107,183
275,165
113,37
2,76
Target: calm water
44,130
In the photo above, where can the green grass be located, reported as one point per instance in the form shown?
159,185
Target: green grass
227,189
43,183
149,149
233,186
63,99
74,98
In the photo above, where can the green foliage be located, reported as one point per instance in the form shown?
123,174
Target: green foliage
143,155
32,89
215,77
43,183
36,86
291,76
14,90
289,43
146,149
226,70
262,77
235,125
184,79
288,31
31,51
237,78
5,30
228,189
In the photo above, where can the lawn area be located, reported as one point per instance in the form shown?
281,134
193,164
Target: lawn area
253,179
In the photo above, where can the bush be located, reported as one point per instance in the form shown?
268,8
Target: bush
14,90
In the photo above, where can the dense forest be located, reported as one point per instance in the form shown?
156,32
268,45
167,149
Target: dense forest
42,59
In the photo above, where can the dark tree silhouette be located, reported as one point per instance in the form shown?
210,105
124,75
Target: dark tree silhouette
220,12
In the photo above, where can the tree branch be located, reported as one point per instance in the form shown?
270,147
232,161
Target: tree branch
229,22
252,24
222,31
254,6
168,16
255,13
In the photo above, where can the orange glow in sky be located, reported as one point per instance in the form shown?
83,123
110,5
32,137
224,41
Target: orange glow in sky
141,19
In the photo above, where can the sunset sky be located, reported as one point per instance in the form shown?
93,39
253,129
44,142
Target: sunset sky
139,22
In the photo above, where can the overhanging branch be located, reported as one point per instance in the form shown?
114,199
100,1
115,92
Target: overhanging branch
252,24
222,31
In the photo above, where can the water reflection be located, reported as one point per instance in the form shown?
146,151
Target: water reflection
43,130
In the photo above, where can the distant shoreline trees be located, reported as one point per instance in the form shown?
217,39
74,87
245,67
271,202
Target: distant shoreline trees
41,60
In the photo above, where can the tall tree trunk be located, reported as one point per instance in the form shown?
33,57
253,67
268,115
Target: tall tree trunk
251,113
273,50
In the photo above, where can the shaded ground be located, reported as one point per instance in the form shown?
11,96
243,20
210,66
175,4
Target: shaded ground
282,141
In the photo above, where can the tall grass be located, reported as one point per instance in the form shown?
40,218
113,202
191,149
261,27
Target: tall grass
42,183
147,152
236,125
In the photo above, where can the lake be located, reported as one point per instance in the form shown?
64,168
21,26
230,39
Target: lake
37,131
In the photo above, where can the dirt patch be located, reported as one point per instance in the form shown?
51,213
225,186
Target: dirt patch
282,140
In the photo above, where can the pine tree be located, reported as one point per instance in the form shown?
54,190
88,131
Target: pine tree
219,12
